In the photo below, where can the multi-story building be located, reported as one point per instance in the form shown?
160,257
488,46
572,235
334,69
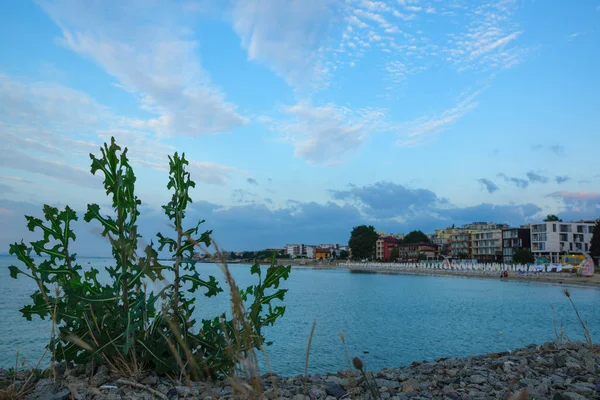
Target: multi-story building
550,240
294,250
484,226
486,245
441,238
460,244
414,251
309,251
384,246
512,239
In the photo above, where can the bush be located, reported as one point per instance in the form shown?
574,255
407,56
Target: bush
523,256
124,323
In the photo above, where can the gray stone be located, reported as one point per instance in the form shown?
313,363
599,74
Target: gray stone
560,360
100,377
571,396
316,393
477,379
335,390
387,383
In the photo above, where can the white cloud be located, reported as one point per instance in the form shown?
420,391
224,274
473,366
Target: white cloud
327,134
153,58
422,129
209,172
44,125
487,40
286,36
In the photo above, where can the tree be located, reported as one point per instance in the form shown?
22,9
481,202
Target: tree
523,256
395,254
416,237
595,247
344,255
362,242
552,218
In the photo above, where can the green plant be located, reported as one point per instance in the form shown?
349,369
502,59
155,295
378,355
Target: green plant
125,323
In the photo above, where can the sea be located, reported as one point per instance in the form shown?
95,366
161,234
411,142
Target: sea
387,320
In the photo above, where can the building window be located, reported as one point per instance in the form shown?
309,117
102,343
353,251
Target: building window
591,228
580,228
553,227
565,228
570,246
586,247
564,237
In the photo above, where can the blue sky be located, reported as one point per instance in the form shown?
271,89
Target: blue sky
304,118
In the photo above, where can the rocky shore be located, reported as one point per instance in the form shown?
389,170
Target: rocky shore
550,371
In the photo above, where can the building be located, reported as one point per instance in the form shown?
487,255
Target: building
384,246
412,252
459,245
486,245
512,239
484,226
441,238
309,251
322,253
550,240
294,250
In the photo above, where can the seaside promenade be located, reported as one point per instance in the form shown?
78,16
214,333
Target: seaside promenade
541,273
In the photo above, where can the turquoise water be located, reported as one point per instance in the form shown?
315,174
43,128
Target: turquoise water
397,319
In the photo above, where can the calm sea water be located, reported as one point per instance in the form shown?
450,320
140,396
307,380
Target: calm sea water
389,320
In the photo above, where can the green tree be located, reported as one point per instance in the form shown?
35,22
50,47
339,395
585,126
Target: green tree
394,254
523,256
362,242
344,255
595,247
552,218
416,237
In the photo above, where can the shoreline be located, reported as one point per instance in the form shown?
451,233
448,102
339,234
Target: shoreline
575,280
553,370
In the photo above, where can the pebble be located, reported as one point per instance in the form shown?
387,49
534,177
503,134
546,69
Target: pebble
556,371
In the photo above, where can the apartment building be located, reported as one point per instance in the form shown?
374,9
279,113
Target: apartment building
484,226
550,240
512,239
486,245
384,246
460,244
413,252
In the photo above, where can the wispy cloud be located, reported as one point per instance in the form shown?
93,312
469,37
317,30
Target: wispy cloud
536,178
424,128
562,179
252,181
488,38
154,60
518,182
14,179
490,186
291,46
326,134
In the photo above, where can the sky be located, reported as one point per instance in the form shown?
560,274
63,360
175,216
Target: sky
303,118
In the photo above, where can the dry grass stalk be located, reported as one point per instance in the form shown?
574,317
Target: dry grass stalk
584,325
144,387
312,332
246,378
350,371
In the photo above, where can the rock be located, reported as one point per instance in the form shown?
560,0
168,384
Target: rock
316,393
452,372
151,380
569,396
100,377
184,391
560,360
335,390
477,379
387,383
409,386
448,391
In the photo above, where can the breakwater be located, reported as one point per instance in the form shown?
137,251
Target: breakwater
554,370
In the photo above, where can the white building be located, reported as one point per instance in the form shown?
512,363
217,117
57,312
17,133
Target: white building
294,250
552,239
309,251
487,245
